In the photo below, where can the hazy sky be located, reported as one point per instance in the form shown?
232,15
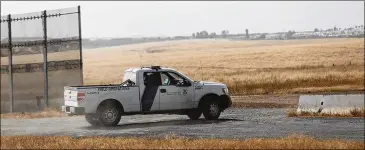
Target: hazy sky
127,18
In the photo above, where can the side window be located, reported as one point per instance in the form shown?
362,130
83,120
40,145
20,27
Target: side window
170,78
176,76
165,79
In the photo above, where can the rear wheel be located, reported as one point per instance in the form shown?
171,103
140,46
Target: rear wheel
109,114
211,110
194,114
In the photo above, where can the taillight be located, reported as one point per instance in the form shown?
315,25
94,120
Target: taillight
80,96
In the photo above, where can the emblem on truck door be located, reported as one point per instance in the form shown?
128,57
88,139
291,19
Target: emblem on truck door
185,91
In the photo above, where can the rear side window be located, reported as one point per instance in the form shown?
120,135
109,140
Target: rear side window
130,75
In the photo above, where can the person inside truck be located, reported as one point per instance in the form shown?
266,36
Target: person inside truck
152,81
128,83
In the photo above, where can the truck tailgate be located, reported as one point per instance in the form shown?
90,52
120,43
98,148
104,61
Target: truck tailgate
70,97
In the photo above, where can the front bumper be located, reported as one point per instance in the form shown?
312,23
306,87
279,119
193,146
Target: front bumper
73,110
227,101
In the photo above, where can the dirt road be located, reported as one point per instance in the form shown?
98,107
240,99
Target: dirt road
234,123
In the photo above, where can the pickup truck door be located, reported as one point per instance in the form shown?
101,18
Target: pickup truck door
172,95
150,99
187,95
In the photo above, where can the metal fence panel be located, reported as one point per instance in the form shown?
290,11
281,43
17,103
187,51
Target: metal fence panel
27,41
63,54
46,52
4,50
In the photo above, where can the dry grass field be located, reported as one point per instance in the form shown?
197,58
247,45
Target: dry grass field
47,113
171,142
247,67
357,112
29,85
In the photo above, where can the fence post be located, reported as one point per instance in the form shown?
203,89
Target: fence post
45,51
80,44
10,56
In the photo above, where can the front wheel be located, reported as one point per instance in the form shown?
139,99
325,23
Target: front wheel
211,110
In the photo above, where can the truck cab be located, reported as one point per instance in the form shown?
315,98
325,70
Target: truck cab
147,90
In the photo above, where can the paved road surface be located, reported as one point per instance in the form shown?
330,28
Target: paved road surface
233,123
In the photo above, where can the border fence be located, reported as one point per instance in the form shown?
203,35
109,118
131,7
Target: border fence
41,52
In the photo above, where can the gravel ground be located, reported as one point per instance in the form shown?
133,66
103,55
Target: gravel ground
233,123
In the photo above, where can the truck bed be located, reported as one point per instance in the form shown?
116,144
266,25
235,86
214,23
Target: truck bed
95,86
126,83
78,86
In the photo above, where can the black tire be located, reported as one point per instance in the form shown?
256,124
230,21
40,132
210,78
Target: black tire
194,114
92,119
109,114
211,109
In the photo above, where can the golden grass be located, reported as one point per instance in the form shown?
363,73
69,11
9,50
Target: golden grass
171,142
247,67
261,105
357,112
29,85
38,58
47,113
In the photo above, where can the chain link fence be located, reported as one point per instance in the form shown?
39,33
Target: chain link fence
41,52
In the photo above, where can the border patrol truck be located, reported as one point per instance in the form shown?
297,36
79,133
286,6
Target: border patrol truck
147,90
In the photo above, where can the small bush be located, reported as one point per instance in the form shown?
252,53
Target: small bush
356,112
46,113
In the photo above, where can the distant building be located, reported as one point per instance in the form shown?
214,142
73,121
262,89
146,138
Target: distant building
275,36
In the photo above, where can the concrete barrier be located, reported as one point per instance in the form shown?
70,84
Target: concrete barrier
342,103
330,103
310,103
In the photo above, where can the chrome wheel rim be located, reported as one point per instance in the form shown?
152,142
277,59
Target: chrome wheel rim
110,115
214,109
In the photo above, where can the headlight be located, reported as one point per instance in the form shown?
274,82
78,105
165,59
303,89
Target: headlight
225,91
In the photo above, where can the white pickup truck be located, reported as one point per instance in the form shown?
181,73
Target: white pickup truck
147,90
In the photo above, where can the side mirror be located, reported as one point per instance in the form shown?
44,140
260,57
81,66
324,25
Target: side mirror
187,83
180,83
183,83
